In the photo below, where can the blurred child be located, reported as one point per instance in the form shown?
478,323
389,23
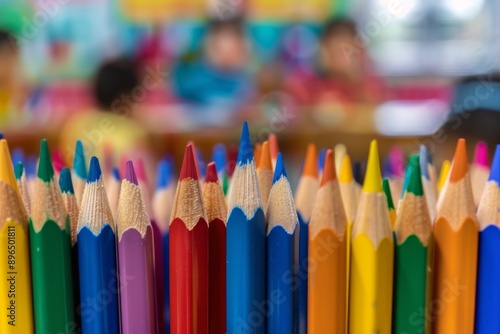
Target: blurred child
343,73
12,92
219,78
110,128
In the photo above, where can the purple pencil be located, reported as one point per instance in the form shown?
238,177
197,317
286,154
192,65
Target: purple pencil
135,258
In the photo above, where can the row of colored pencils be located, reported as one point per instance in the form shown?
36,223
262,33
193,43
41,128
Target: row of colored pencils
235,252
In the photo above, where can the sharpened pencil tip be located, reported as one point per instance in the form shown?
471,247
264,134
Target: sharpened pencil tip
346,170
425,161
211,174
373,179
79,164
443,174
245,152
495,167
481,157
321,159
460,165
19,170
311,162
265,157
164,172
45,169
279,171
413,178
387,191
329,168
6,170
140,170
65,182
94,170
189,168
130,173
219,156
116,173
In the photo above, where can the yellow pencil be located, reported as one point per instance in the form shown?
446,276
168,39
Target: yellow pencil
15,285
372,257
327,310
443,175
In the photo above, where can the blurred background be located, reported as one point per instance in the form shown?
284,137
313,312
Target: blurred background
146,76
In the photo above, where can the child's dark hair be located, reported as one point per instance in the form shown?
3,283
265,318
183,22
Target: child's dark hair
113,79
8,40
235,24
338,26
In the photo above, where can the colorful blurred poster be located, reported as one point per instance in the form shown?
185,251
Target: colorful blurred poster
147,11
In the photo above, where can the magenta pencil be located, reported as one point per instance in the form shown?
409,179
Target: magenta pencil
147,194
135,259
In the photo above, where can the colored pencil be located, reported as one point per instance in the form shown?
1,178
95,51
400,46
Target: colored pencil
321,161
246,247
162,207
232,157
16,298
50,240
488,273
339,151
350,191
188,253
372,251
282,223
479,170
396,179
113,190
358,172
135,259
57,161
413,256
216,210
79,171
68,195
22,184
17,156
327,312
390,204
455,257
274,148
443,175
429,180
219,156
257,152
96,241
265,174
305,196
146,191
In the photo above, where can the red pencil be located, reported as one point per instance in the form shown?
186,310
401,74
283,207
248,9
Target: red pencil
188,253
216,209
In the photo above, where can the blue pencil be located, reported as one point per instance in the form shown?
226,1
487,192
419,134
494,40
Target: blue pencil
429,180
162,207
246,247
281,225
96,240
304,201
79,171
488,274
219,156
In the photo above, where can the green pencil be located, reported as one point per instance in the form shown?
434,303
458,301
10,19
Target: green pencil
390,203
50,253
412,233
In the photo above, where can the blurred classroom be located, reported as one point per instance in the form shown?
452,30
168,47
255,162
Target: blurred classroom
157,73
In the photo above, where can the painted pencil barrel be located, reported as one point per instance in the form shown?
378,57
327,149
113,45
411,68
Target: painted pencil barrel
52,283
279,281
15,285
454,292
488,278
370,303
98,281
166,280
137,296
302,275
410,287
159,279
188,278
327,284
245,273
217,276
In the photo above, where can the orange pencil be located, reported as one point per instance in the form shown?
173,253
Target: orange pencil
265,174
327,257
455,257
